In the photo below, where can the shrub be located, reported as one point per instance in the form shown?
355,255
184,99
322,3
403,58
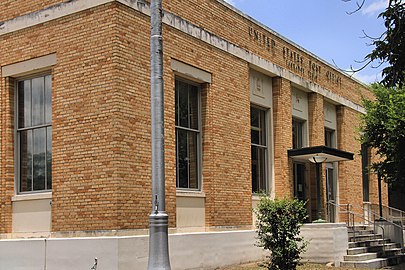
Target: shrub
278,228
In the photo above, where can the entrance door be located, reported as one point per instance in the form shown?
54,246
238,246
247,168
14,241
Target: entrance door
299,181
330,192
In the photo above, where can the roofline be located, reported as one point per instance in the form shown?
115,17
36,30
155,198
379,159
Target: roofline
289,41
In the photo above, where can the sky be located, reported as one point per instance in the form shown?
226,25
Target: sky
324,28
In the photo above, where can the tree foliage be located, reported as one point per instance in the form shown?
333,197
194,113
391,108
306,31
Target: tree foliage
278,227
390,46
383,128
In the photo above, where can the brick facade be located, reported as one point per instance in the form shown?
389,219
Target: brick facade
101,111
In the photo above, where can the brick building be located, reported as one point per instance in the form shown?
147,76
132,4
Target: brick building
75,119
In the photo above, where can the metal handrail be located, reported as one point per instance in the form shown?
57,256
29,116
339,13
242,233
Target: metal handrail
390,209
378,216
353,215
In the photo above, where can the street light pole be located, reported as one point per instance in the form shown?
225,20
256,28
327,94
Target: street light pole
158,219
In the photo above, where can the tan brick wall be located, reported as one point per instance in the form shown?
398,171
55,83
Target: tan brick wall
282,118
350,174
101,116
14,8
7,153
316,138
226,129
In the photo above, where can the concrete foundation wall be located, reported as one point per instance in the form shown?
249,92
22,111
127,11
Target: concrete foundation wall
327,243
187,251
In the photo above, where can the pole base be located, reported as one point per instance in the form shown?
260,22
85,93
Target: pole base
158,242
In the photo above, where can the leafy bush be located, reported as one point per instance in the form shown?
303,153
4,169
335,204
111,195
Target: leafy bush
278,228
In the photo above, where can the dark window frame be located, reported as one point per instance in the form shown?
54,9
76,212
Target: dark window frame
262,145
35,176
190,130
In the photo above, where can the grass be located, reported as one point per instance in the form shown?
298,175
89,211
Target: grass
254,266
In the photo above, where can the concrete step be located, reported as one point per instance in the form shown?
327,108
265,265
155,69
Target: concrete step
379,248
362,232
364,237
359,228
360,257
387,253
357,250
371,264
395,260
390,247
368,243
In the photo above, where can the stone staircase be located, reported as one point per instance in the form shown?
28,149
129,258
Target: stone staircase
370,250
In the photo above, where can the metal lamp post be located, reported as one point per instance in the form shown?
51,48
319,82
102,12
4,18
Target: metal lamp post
318,160
158,219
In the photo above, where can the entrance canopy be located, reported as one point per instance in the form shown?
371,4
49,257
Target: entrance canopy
331,154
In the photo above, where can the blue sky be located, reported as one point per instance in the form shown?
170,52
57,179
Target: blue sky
324,28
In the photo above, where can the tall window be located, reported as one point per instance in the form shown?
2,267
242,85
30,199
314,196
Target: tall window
297,133
187,135
329,137
365,162
258,149
34,134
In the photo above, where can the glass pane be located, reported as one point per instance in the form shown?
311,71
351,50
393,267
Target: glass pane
254,117
299,181
38,101
258,126
297,137
48,99
183,104
193,160
39,139
176,106
182,159
187,159
49,158
258,169
193,107
25,160
24,104
255,136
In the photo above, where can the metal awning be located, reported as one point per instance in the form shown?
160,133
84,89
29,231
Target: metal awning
331,154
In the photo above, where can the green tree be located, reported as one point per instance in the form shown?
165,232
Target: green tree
390,46
383,128
278,228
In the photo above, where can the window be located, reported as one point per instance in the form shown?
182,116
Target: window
187,112
329,138
297,133
258,149
34,134
365,161
299,181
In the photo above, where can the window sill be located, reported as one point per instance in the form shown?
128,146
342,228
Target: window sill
257,197
190,193
30,197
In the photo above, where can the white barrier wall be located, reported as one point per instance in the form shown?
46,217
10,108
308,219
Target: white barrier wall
328,242
208,250
187,251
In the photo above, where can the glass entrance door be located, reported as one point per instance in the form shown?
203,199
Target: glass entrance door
299,181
